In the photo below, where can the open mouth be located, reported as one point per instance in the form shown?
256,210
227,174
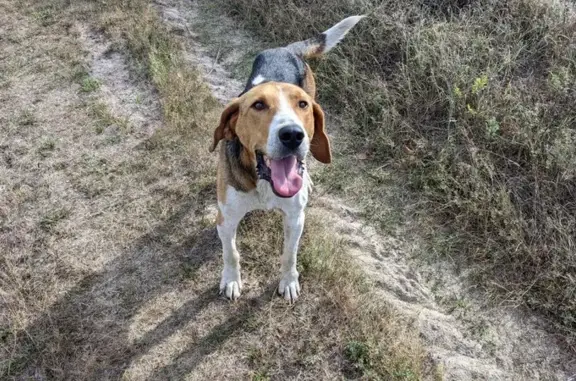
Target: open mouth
284,175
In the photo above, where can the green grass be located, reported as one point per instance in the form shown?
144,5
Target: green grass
104,118
26,118
46,146
89,84
358,353
471,104
157,56
44,15
53,217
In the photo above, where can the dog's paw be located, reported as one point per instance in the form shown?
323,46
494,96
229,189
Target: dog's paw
289,287
231,284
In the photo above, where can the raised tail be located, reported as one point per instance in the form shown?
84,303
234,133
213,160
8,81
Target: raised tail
322,43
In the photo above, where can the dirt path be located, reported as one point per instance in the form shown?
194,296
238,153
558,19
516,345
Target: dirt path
471,339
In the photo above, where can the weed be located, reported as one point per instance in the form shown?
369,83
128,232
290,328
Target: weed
26,118
89,84
480,84
50,219
260,377
492,128
358,353
46,147
104,118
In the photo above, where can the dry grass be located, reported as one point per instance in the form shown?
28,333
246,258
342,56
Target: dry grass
472,103
111,260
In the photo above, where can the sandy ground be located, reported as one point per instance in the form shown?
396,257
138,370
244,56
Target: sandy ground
469,337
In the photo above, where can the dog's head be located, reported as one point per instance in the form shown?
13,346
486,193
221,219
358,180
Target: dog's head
277,124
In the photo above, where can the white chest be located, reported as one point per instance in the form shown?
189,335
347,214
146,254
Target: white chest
263,198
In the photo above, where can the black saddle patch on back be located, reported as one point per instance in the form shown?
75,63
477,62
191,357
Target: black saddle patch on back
277,65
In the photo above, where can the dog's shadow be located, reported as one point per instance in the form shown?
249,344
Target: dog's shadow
86,333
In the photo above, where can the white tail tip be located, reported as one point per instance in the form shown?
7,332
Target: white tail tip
338,31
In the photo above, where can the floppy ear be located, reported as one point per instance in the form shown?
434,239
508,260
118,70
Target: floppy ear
309,84
225,129
320,145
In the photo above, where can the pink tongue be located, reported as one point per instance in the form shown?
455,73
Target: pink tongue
285,178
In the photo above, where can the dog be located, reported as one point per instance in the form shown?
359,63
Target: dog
268,131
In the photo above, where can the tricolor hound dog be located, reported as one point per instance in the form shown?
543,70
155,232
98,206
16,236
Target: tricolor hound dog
268,131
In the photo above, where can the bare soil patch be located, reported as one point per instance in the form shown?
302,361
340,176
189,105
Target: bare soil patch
119,89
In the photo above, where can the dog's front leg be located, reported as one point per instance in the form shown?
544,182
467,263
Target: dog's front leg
293,226
231,283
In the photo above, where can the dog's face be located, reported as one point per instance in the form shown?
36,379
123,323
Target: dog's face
277,123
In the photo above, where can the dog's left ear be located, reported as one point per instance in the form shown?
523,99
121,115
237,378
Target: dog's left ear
309,83
225,129
320,145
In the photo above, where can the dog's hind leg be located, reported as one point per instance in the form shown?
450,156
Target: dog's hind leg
293,226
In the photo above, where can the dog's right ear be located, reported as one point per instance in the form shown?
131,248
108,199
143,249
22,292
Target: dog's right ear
225,129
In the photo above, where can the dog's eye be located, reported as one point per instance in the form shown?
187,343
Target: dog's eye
303,104
259,105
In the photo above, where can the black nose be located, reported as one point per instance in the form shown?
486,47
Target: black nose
291,136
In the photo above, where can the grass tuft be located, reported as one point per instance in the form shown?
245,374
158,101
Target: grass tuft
103,117
89,84
185,97
358,353
50,219
26,118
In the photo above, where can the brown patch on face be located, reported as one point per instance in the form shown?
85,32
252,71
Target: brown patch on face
257,109
225,129
234,169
